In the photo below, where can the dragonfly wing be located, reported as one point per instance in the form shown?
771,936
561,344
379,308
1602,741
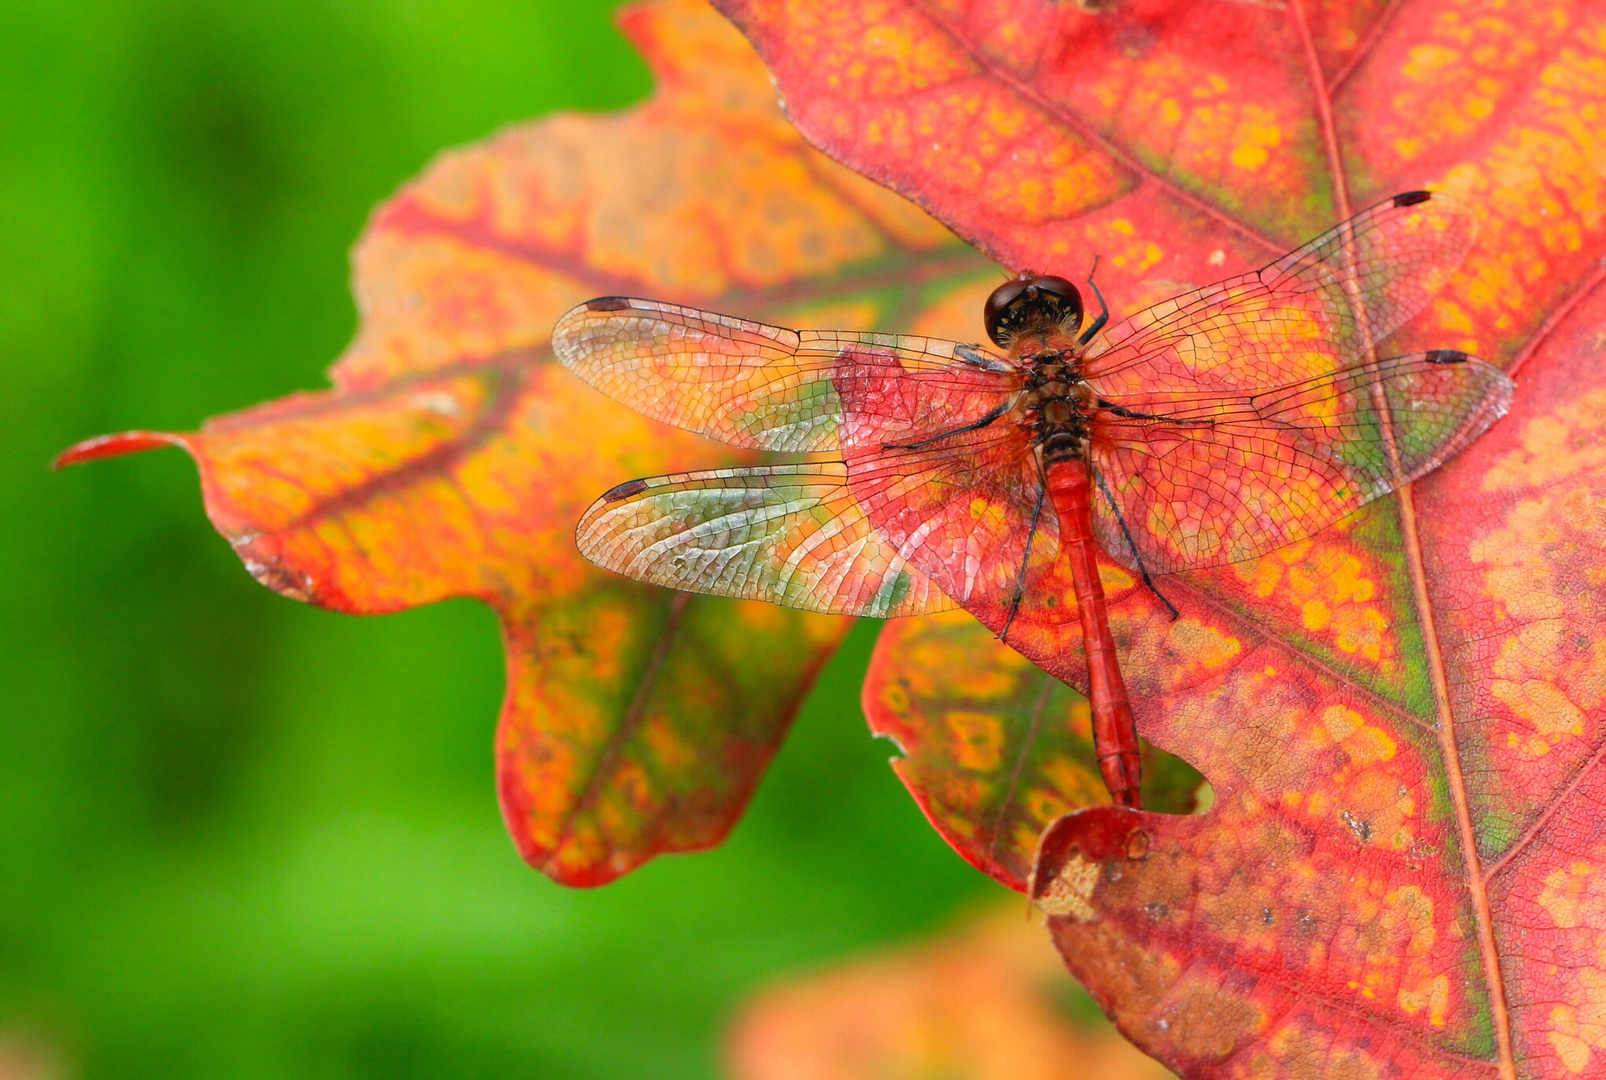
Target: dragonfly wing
789,534
1221,478
1313,312
745,383
961,499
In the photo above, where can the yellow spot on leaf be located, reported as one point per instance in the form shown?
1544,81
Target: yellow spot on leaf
1573,1051
1571,889
982,510
1427,63
1545,708
1114,579
1432,994
1579,1032
976,740
1316,615
1254,144
1365,745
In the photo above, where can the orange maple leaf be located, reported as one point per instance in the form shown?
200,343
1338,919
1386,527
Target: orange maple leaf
454,455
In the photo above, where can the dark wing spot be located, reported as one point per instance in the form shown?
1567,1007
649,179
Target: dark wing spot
608,303
624,490
1411,198
971,355
1445,356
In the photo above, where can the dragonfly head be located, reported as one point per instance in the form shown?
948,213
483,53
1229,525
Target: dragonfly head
1040,303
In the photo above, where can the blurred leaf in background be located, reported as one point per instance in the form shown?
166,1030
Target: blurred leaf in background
985,1000
245,838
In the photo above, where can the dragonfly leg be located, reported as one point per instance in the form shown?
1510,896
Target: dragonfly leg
1104,309
977,426
1132,414
1143,571
1020,581
1148,583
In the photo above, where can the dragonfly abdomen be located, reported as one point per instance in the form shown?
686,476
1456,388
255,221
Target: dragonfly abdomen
1070,486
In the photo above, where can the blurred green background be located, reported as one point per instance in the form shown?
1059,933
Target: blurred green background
244,838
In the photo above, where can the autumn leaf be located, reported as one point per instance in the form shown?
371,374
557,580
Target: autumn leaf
993,748
985,1000
1403,719
1376,885
454,456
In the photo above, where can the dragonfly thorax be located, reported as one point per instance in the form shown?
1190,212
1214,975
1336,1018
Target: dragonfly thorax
1056,405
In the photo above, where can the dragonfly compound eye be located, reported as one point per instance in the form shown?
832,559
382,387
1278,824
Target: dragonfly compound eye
1045,303
999,303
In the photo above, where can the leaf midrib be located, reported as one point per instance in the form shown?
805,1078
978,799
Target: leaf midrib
1455,782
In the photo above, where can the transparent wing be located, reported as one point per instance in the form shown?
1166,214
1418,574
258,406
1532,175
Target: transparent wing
963,503
789,534
1313,312
1217,478
748,383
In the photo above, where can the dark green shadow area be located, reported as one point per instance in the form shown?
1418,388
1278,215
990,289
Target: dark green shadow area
244,838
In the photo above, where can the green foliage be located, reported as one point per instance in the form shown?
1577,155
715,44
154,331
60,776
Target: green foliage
244,838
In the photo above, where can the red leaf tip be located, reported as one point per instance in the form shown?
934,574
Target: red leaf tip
105,446
1098,834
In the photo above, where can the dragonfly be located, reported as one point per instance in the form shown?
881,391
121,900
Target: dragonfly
925,474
